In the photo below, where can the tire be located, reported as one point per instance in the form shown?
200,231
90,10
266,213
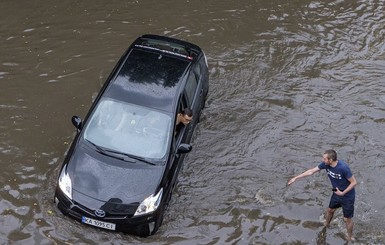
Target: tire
159,220
143,231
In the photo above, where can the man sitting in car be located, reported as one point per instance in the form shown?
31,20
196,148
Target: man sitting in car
183,118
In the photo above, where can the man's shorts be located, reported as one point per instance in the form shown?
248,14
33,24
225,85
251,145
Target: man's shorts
346,202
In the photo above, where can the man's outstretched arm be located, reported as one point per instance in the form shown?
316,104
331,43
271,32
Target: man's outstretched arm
304,174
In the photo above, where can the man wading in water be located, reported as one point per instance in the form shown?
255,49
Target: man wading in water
343,183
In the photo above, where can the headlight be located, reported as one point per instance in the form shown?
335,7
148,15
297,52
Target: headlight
65,184
150,204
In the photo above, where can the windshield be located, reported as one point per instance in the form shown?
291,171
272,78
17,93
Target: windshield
129,128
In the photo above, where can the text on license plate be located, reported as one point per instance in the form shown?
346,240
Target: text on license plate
98,223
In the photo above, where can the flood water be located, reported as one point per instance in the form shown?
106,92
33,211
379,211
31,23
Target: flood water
288,80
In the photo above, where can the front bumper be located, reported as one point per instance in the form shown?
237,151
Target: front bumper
143,225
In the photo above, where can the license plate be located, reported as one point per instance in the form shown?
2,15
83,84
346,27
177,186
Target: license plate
98,223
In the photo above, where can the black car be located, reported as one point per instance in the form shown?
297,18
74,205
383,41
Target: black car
123,164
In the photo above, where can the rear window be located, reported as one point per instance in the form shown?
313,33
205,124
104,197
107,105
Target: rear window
152,68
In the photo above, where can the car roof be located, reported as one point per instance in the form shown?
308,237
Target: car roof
151,71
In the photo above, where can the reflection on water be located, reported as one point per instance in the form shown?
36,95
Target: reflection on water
288,80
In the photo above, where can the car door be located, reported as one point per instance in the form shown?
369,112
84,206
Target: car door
194,93
203,76
180,137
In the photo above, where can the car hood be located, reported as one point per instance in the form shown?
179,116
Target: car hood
103,178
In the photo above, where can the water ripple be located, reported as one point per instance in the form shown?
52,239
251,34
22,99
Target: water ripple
288,80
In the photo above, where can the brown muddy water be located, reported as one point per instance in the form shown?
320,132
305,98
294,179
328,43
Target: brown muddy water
288,80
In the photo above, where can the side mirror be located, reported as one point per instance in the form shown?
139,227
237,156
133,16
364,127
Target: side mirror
184,148
77,122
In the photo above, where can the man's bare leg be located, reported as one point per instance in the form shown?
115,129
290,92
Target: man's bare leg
349,228
329,216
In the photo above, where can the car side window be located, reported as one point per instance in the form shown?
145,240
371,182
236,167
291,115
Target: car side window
202,64
191,87
197,68
180,127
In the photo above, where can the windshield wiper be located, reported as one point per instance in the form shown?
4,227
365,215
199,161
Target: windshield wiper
131,156
126,157
106,152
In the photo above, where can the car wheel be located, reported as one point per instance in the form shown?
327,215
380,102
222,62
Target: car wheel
159,220
205,98
142,231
